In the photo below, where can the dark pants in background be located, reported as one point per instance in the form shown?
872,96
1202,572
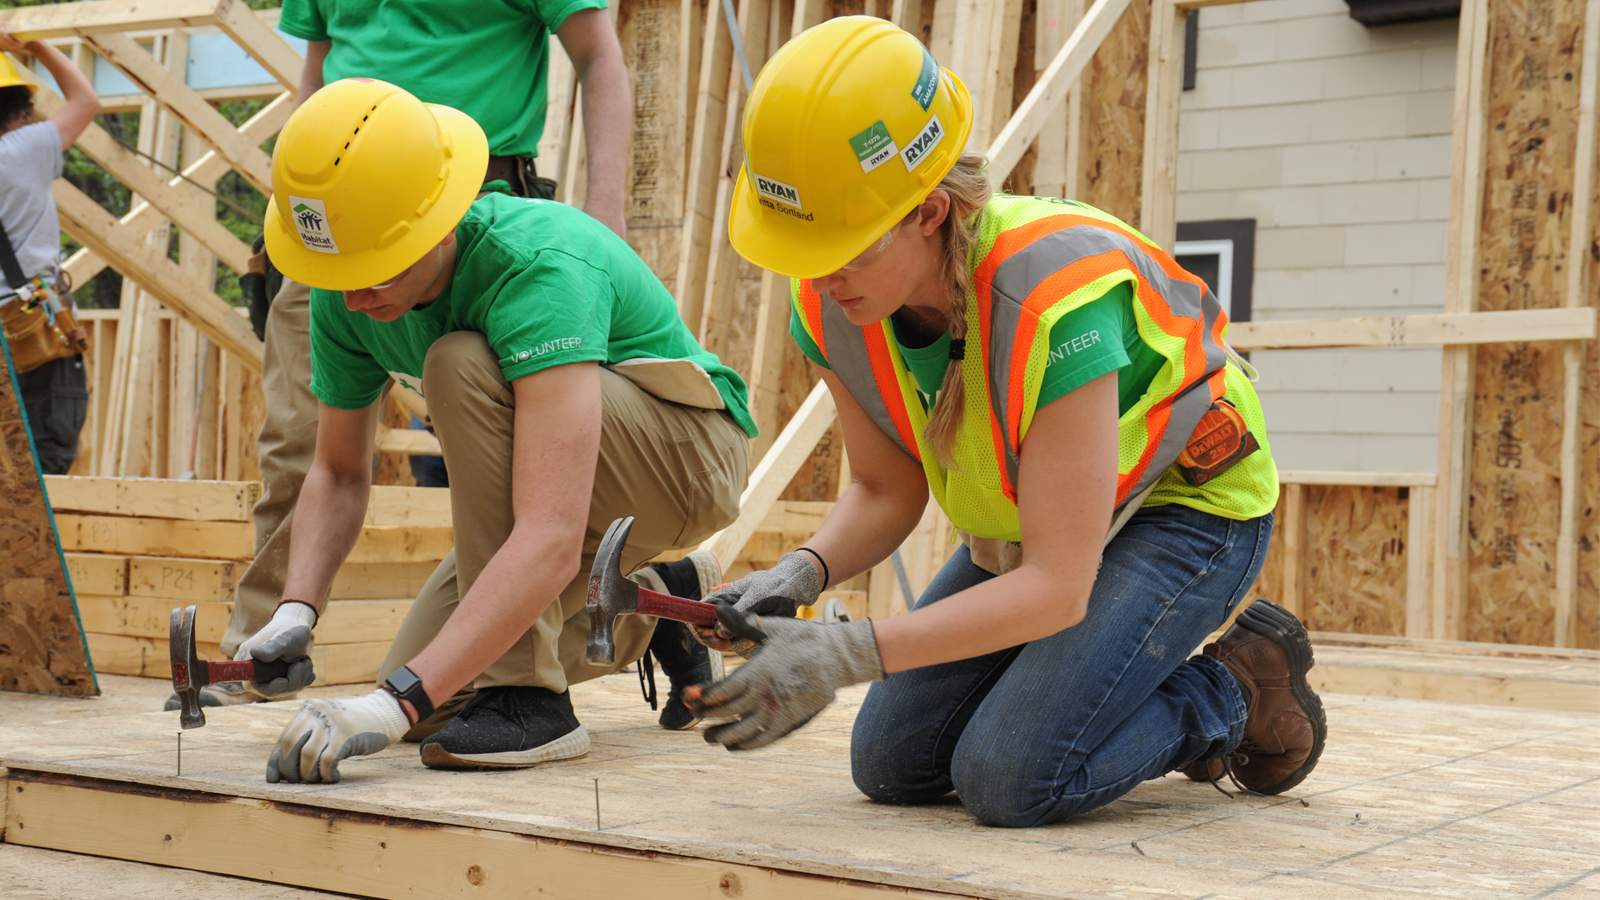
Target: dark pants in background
56,397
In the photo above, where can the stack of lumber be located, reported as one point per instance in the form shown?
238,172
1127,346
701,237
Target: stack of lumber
137,548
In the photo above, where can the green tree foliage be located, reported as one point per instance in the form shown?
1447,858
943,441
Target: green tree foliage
242,217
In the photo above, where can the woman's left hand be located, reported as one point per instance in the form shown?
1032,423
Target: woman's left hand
791,678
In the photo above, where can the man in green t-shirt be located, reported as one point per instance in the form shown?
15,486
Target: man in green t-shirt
565,392
489,60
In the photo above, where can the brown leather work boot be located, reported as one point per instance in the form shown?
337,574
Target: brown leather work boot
1269,652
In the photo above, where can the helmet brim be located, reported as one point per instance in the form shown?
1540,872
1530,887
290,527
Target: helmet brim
350,271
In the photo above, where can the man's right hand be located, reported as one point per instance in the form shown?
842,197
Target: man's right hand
288,638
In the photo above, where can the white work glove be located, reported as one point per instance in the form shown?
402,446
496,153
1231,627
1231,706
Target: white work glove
779,591
326,731
286,637
793,675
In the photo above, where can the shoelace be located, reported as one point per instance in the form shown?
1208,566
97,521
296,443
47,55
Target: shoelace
498,702
1228,762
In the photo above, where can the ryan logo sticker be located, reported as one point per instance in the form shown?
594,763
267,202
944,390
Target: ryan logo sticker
311,220
873,147
920,146
776,190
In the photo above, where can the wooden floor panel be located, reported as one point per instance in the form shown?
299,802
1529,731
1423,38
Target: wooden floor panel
1412,799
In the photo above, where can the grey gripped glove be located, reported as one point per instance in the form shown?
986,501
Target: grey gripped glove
286,637
792,676
779,591
324,732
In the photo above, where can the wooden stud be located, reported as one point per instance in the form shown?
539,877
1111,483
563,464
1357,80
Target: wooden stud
85,264
1158,195
1358,479
1419,543
183,579
1051,89
1294,557
95,228
1450,330
705,134
31,23
97,573
208,501
255,37
1578,264
168,89
766,369
175,202
1461,292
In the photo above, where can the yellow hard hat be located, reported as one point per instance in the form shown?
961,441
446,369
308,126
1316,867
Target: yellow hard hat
9,77
366,179
848,128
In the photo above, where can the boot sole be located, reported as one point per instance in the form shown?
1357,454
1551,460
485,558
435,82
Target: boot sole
1278,625
569,746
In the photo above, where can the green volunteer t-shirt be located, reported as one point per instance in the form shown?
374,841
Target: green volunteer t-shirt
546,285
487,58
1098,337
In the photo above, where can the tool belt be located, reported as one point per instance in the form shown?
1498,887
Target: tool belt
39,328
523,176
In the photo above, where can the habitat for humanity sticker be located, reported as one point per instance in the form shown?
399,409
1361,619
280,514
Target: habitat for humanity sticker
777,190
311,220
874,147
921,145
927,81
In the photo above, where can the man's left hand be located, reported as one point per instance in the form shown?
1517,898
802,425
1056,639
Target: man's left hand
791,678
324,732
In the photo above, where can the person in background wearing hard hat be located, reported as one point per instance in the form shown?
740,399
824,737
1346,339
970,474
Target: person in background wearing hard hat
55,394
1052,376
565,392
491,63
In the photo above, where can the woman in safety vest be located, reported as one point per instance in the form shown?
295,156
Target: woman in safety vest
1053,377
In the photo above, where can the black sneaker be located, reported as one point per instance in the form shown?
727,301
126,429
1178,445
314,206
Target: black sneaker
686,661
508,728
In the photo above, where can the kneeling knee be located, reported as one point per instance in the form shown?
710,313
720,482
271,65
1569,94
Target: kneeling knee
1009,792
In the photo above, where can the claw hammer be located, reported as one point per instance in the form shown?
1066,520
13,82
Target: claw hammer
190,673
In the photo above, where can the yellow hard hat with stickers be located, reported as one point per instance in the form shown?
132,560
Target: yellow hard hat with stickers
848,128
366,179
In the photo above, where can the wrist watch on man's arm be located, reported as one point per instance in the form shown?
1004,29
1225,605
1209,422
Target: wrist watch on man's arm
405,685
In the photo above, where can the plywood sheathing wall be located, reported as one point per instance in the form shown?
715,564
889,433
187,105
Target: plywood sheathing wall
1534,63
1352,558
41,645
1587,611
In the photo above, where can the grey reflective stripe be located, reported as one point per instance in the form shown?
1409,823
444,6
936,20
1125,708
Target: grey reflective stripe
1187,410
847,355
1022,272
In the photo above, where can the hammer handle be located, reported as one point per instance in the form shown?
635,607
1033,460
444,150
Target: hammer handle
243,670
678,609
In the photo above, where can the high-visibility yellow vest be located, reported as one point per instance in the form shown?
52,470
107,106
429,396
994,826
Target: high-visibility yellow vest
1037,259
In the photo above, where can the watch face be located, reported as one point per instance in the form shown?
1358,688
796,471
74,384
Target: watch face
403,680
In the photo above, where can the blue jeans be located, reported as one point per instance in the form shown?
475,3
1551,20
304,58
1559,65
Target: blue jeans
1065,724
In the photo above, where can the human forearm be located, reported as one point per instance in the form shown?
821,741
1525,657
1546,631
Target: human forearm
327,523
607,131
1023,605
311,72
75,86
866,525
520,582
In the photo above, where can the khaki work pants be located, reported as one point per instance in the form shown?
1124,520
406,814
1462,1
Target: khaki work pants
677,469
286,447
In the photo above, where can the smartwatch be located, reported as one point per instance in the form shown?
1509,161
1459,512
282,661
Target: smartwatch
405,685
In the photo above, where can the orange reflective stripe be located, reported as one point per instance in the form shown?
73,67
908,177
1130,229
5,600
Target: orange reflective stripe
811,309
888,379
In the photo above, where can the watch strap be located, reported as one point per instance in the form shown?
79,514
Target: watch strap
405,684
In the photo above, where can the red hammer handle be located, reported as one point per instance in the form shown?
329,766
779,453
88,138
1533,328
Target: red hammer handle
219,672
678,609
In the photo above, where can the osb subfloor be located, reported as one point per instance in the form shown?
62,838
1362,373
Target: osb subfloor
29,873
1413,799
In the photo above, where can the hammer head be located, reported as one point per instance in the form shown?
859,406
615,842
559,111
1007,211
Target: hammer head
611,594
188,675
